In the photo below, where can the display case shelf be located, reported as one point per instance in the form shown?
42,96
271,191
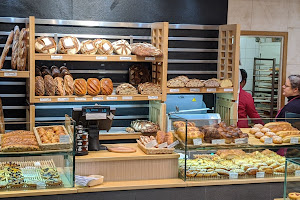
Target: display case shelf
199,90
13,74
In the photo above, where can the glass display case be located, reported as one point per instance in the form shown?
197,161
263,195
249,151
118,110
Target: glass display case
42,158
292,183
212,150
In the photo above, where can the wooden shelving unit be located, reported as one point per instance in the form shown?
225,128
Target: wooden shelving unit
14,74
199,90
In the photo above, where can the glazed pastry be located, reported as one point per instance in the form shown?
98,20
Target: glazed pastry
262,139
260,126
294,195
264,130
254,130
259,135
80,87
277,140
270,134
93,86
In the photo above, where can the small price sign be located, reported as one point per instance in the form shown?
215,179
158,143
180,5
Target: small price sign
233,175
260,174
197,141
64,138
56,57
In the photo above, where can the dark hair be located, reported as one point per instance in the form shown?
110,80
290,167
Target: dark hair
244,74
295,81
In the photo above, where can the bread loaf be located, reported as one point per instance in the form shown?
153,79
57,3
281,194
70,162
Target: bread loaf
226,83
6,48
106,86
45,71
184,79
68,85
64,71
175,83
59,86
126,89
104,47
145,49
212,83
45,44
139,74
149,88
122,47
15,47
88,47
2,125
279,126
93,86
160,137
192,133
38,71
39,86
80,87
169,138
49,86
55,72
22,50
194,83
69,45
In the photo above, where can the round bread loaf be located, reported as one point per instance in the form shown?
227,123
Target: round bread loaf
45,45
122,47
226,83
175,83
59,86
194,83
69,45
80,87
39,86
145,49
55,72
106,86
104,47
88,47
212,83
126,89
68,84
93,86
49,85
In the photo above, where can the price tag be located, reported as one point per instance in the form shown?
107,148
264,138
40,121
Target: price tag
194,89
241,141
174,90
211,89
294,140
10,74
173,144
268,141
111,98
233,175
45,99
163,145
98,98
151,144
56,57
260,174
127,98
40,185
152,97
297,173
80,99
37,164
228,89
149,58
125,58
197,141
101,57
64,138
220,141
62,99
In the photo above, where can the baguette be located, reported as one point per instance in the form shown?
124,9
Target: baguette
6,48
15,46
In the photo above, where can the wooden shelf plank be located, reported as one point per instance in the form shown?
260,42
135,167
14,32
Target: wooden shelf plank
14,74
97,58
199,90
119,136
88,98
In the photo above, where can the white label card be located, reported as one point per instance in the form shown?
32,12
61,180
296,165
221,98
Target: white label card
197,141
152,97
40,185
268,141
297,173
56,57
149,58
173,144
220,141
64,138
80,99
62,99
125,58
294,140
233,175
211,89
101,57
241,141
194,89
37,164
151,144
163,145
127,98
260,174
10,74
174,90
228,89
45,99
111,98
98,98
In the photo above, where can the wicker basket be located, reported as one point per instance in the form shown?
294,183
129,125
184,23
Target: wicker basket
52,146
151,151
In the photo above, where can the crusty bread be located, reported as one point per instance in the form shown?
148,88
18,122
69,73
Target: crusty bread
175,83
45,44
80,87
6,48
49,85
104,47
69,45
39,86
15,47
93,86
106,86
122,47
88,47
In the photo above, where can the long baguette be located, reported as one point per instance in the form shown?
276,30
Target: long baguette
6,48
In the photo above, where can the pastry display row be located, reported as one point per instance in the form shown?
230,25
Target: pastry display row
184,81
71,45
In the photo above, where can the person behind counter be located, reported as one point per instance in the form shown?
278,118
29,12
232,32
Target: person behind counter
291,90
246,106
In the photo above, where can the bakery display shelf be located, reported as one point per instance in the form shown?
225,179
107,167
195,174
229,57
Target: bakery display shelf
88,98
199,90
267,87
36,153
96,58
13,74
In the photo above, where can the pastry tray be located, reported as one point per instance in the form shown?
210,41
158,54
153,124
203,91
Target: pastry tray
151,151
53,146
